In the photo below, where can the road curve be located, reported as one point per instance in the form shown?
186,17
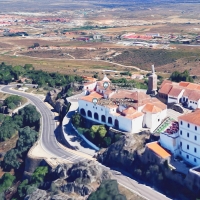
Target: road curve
48,139
49,143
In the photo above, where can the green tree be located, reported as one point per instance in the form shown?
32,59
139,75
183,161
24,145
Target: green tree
30,115
107,141
108,190
23,188
27,137
101,133
1,117
39,175
6,181
28,66
13,101
77,120
10,160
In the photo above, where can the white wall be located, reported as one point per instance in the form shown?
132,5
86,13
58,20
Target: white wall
125,124
172,99
137,124
189,142
192,104
170,142
90,86
152,121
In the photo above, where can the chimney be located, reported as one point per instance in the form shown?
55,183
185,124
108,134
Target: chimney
153,69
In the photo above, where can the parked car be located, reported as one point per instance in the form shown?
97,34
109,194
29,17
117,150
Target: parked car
178,108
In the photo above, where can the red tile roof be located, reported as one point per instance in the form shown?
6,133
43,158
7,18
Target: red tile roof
166,88
156,148
175,91
183,84
192,86
193,117
194,95
151,108
164,82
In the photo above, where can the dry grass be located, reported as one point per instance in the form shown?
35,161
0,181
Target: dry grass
78,67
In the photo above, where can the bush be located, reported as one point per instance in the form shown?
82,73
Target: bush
107,190
39,175
13,101
10,160
6,181
184,76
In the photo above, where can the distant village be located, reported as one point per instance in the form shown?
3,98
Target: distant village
19,25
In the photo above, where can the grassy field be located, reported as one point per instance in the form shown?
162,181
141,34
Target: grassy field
164,60
80,67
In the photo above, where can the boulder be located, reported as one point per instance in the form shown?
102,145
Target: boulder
37,195
59,105
77,178
51,97
123,152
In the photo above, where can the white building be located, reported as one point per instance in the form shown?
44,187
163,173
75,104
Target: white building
170,139
185,142
184,92
189,132
125,110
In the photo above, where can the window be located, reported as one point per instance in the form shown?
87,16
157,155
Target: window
181,123
180,152
195,128
181,132
190,101
195,137
195,149
188,125
188,135
86,105
158,120
181,144
187,157
102,109
195,160
188,146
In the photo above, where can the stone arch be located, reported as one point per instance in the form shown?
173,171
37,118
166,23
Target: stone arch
96,116
82,111
116,123
89,113
110,120
103,118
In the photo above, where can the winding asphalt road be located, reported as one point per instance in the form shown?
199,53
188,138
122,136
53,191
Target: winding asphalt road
48,139
50,145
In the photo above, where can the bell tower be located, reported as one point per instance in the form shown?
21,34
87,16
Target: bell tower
152,82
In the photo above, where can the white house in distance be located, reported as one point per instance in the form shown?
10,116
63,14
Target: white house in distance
124,110
183,92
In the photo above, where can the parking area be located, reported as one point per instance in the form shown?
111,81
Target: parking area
174,114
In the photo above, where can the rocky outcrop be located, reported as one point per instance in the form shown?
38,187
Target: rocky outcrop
60,103
52,96
123,152
73,180
37,195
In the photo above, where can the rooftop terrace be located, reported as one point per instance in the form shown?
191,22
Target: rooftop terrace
169,125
